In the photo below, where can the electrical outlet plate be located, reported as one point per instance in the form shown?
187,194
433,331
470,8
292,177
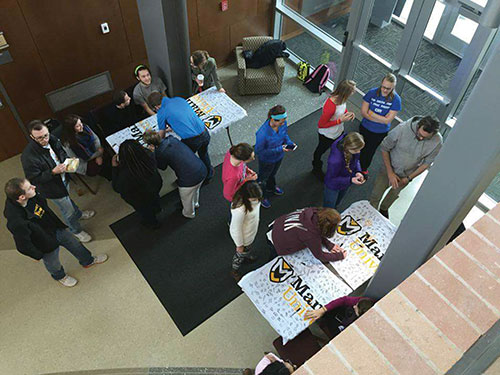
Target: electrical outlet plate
105,28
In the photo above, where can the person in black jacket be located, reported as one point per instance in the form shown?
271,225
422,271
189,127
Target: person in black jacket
43,164
38,232
136,178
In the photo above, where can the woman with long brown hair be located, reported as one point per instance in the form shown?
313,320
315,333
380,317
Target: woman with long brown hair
343,168
331,122
202,65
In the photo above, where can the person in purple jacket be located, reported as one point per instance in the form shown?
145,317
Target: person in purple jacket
343,168
341,312
306,228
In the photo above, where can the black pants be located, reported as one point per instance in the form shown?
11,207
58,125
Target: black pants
324,143
372,141
148,210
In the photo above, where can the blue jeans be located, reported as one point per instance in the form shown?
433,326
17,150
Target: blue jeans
70,213
332,198
200,144
80,252
267,177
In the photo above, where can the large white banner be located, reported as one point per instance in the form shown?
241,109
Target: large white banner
365,234
215,109
286,287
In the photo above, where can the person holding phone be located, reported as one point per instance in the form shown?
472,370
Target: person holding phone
343,168
331,122
272,141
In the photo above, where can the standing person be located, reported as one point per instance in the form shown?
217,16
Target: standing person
306,228
380,106
43,164
202,63
178,115
272,141
245,210
331,122
235,171
146,86
188,168
408,150
341,312
136,178
38,232
343,168
81,142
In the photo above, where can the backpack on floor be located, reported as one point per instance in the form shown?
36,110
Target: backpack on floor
317,80
303,69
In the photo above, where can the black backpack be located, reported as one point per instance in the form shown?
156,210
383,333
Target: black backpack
317,80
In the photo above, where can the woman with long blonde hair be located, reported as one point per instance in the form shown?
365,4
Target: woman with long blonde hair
343,168
331,122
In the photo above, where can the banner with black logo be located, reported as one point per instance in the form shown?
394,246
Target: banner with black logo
365,234
216,109
286,287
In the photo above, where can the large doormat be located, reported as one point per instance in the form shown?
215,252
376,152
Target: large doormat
187,262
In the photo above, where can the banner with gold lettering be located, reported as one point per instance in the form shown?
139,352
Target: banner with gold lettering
365,234
216,109
286,287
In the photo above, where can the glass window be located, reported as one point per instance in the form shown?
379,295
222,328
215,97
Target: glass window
467,93
416,102
308,48
368,73
464,28
437,13
329,15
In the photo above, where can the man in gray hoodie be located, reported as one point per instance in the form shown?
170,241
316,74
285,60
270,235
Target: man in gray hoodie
408,150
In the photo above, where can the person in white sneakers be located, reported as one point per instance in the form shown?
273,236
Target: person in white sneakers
43,164
38,232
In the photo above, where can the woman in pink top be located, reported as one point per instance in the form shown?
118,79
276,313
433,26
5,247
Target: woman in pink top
234,169
331,122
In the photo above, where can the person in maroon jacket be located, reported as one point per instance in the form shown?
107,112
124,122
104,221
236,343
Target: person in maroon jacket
306,228
341,312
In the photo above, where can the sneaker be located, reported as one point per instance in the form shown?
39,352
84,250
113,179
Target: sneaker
83,236
68,281
98,259
87,214
265,203
278,191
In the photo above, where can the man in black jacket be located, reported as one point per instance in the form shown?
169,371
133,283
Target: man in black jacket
43,164
38,232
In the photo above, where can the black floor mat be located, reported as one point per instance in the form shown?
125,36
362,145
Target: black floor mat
187,262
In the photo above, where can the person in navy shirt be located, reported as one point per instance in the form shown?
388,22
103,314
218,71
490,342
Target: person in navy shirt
272,141
177,114
380,106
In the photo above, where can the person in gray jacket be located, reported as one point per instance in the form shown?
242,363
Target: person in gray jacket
408,150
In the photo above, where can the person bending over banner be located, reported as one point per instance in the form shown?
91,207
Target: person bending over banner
306,228
341,312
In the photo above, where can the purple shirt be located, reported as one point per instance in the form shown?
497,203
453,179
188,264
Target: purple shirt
337,176
342,302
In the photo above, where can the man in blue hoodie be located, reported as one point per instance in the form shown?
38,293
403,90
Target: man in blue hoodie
182,119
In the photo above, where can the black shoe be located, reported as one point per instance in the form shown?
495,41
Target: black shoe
384,213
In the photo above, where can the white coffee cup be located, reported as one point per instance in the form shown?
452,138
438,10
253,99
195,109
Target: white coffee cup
200,78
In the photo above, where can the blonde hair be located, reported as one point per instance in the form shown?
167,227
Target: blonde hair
352,141
344,90
389,77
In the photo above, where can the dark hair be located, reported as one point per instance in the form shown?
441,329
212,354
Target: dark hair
154,99
328,220
119,97
139,68
276,110
241,151
68,134
199,56
35,125
249,190
429,124
137,159
13,188
364,305
151,137
275,368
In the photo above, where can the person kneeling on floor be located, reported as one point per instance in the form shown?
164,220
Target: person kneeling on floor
188,168
38,232
306,228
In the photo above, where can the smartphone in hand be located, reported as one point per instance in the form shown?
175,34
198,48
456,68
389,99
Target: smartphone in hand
292,147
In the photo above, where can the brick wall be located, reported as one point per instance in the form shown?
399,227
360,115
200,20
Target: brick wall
426,324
